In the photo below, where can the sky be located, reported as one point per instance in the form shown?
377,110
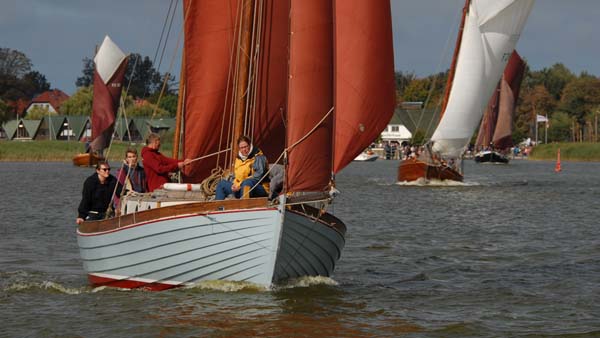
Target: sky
57,34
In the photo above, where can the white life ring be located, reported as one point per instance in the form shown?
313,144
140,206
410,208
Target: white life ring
182,187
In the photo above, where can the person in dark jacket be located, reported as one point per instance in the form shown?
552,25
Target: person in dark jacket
97,194
131,176
156,165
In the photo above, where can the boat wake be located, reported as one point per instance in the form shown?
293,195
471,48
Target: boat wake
49,286
423,182
306,281
226,286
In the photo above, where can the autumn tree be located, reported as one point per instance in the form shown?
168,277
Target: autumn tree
534,101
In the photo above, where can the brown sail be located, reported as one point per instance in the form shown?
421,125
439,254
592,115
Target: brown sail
365,97
509,94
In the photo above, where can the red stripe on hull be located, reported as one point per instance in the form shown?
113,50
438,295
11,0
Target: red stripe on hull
413,169
97,281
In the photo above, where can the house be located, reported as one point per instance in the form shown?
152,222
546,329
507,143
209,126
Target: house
395,131
51,100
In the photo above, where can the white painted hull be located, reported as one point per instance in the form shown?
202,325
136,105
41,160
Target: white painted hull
260,245
364,157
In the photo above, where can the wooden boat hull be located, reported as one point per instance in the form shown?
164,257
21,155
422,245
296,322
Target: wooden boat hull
490,157
260,243
86,160
414,169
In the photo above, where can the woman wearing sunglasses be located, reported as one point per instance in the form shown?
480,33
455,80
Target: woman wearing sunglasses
98,190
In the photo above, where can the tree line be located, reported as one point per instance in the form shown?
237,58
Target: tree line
571,102
19,82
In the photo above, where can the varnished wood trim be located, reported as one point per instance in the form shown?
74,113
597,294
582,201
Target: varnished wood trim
90,227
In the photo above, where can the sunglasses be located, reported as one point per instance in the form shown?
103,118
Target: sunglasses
105,169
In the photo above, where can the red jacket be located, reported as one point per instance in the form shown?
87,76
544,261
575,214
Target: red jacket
157,167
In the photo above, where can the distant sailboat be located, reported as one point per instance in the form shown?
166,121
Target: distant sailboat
110,67
487,37
495,132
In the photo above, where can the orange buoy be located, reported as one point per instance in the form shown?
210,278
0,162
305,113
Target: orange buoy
557,167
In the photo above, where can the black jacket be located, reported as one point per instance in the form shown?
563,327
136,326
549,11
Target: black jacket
97,196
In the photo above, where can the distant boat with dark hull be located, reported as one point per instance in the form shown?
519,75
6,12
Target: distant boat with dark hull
495,132
109,72
488,33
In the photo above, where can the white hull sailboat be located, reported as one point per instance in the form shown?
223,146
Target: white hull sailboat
172,238
366,157
487,37
242,240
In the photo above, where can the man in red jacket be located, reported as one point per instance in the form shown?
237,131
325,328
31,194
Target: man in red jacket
156,165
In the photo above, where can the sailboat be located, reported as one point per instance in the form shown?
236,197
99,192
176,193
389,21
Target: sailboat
488,33
110,67
312,83
495,132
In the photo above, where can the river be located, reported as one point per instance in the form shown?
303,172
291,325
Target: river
514,251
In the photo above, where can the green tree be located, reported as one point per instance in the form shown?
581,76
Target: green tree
580,97
5,112
13,63
146,110
554,79
560,127
534,101
87,79
79,103
38,113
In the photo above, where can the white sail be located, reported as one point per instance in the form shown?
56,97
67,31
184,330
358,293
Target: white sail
108,59
492,29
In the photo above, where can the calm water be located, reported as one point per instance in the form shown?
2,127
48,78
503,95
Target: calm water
515,251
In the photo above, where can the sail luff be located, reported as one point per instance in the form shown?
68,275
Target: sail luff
272,80
210,34
365,95
452,70
310,95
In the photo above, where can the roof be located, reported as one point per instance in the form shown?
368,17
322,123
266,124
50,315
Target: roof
77,124
54,97
9,128
413,119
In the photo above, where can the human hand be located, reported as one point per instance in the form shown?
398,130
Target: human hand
235,188
79,220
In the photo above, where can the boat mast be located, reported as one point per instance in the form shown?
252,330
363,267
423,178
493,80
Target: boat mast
179,114
241,90
452,71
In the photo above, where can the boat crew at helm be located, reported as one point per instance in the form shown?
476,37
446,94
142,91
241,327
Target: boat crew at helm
97,193
156,165
249,174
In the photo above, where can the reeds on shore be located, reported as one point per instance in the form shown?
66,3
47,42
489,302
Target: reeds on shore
570,151
62,151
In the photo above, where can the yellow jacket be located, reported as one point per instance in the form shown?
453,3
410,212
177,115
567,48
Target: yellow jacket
254,166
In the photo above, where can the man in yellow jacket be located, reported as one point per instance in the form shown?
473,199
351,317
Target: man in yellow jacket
249,171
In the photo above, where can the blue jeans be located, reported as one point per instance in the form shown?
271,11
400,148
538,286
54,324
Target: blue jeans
224,189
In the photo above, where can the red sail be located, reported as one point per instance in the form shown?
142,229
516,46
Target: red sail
365,95
488,122
310,95
209,44
269,128
104,107
509,93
